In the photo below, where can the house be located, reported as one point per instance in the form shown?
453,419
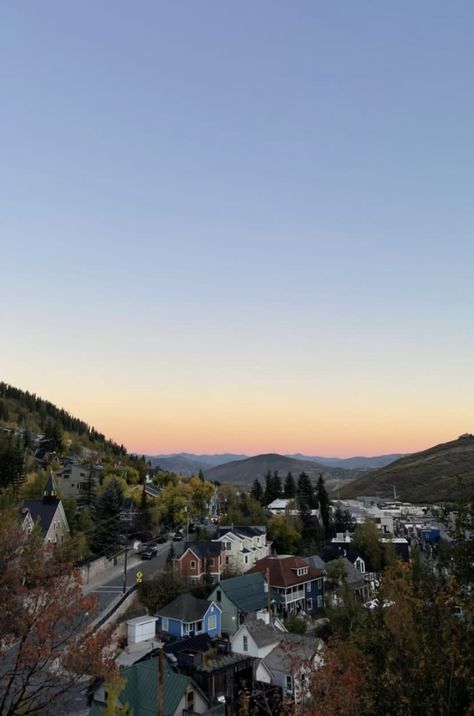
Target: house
257,637
290,665
48,513
188,616
334,551
295,585
355,580
242,546
72,479
141,692
200,558
220,673
239,596
282,505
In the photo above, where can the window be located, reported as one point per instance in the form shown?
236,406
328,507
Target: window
245,643
211,563
319,601
246,559
219,595
198,626
227,546
212,622
289,682
301,571
227,560
192,564
165,625
190,701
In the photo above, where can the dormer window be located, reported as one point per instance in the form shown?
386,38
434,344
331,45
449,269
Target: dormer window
301,571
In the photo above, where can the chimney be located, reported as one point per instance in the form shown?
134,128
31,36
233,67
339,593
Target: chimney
263,615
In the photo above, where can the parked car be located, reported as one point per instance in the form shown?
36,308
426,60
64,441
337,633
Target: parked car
178,537
161,539
148,553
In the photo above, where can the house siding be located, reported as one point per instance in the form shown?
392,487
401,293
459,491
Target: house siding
229,616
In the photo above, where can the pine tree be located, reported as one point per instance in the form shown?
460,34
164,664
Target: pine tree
257,491
305,493
323,502
276,485
290,487
107,516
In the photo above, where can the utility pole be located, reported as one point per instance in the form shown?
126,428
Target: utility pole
126,550
160,690
269,596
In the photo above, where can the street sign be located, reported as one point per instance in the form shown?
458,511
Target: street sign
139,577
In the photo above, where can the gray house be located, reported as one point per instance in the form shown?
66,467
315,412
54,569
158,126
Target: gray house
48,513
238,597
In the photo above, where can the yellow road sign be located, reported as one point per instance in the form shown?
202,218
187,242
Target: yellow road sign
139,576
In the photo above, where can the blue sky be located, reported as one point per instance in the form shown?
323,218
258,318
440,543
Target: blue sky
242,226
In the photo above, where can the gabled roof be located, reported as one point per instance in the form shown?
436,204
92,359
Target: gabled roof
262,634
185,608
334,551
282,570
353,577
199,642
316,561
203,548
42,511
292,647
246,592
141,689
243,532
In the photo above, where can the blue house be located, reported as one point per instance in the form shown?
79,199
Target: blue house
295,585
188,616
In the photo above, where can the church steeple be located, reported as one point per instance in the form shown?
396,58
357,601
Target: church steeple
50,491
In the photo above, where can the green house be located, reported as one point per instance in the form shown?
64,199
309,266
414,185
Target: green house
139,695
238,597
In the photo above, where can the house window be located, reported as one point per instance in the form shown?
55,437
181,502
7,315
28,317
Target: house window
211,563
165,624
227,560
193,580
319,601
289,682
245,643
219,595
309,605
190,700
246,559
192,564
198,626
212,622
301,571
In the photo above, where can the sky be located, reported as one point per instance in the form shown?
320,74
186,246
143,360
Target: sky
243,226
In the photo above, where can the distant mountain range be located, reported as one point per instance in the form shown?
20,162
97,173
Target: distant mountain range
427,476
185,463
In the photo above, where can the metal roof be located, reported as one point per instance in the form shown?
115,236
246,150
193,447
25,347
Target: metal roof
247,592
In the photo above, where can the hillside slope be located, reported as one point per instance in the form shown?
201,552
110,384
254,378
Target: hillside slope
427,476
244,472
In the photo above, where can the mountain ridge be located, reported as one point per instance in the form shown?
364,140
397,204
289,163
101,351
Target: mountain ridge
429,475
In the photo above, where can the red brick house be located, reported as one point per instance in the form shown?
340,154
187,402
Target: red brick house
200,558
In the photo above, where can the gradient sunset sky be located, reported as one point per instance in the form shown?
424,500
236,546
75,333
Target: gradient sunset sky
242,226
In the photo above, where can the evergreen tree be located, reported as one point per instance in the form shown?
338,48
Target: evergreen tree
53,435
276,485
201,476
323,502
107,516
290,487
89,489
257,491
11,460
305,493
268,488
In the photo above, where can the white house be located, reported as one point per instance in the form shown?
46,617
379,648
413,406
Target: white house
242,546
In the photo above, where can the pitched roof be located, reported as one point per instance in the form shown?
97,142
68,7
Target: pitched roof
353,577
246,592
199,642
141,689
186,608
291,647
203,548
242,531
283,570
334,551
42,511
316,561
263,634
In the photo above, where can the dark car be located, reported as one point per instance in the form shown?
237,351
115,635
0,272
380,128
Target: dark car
148,553
178,537
161,539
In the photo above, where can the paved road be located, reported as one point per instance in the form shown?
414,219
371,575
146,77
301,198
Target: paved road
109,586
